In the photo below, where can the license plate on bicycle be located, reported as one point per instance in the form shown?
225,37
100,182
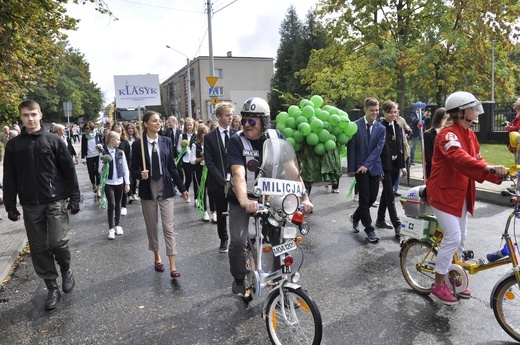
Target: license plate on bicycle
284,248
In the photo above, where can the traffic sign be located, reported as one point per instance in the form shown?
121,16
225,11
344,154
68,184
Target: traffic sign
213,92
214,100
212,81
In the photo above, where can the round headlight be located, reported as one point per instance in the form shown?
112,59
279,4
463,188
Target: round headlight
290,203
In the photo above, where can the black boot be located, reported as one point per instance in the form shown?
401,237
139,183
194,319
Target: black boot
68,281
53,296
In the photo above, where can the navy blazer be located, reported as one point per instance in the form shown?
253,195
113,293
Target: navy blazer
215,158
361,152
170,172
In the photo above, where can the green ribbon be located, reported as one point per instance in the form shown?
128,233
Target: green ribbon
178,158
104,176
349,194
201,194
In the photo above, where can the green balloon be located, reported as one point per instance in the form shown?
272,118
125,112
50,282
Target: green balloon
291,122
342,124
291,141
282,117
352,129
305,129
324,135
297,147
304,102
292,109
297,113
288,132
324,116
300,120
317,101
308,111
343,151
327,126
336,130
280,127
316,125
319,149
327,108
298,136
330,145
342,139
334,119
312,139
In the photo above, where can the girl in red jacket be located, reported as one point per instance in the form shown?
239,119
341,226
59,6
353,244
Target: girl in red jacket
456,165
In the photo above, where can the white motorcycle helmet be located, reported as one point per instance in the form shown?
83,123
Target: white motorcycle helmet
257,107
462,100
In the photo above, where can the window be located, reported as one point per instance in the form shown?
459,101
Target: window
218,72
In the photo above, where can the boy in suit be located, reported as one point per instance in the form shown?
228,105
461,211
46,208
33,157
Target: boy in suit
216,162
364,163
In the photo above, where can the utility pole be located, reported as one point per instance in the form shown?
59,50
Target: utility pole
210,40
493,71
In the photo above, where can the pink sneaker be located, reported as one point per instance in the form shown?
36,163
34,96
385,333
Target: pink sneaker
443,294
464,294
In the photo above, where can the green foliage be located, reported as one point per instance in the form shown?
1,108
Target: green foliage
414,50
73,85
297,42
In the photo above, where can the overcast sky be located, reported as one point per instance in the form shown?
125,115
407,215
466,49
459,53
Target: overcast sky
136,43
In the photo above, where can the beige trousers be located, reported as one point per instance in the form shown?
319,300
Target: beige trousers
151,219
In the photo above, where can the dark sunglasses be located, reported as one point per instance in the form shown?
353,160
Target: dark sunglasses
252,122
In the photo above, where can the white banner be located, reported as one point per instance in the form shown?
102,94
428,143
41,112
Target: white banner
133,91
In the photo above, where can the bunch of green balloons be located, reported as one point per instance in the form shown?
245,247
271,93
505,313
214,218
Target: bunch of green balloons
322,127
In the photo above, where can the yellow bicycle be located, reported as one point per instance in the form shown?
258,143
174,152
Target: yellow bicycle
422,238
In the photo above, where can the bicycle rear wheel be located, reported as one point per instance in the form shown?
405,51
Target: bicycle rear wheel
417,266
302,321
506,306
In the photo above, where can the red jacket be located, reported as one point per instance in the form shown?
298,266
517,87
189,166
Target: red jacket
456,165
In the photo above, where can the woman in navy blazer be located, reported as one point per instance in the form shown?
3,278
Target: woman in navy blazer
156,188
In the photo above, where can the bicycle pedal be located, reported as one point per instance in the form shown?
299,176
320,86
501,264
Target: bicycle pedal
468,254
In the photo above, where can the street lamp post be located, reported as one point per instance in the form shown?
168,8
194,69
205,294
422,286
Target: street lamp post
189,79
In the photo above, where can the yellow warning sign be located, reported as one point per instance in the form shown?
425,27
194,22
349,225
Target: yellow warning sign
212,81
214,100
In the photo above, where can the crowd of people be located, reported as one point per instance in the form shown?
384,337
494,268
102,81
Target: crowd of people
151,164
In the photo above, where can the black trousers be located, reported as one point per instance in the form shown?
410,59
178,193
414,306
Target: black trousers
387,200
221,204
93,170
114,194
368,187
188,176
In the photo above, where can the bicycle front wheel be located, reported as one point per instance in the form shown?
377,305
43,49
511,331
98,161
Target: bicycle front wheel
506,306
417,265
298,323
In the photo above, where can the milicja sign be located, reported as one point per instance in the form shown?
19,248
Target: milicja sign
133,91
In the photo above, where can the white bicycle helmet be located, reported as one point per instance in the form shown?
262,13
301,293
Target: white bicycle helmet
462,100
257,107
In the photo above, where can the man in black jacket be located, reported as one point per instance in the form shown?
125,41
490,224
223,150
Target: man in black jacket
39,169
216,161
392,158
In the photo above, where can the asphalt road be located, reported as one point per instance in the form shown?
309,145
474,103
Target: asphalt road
359,288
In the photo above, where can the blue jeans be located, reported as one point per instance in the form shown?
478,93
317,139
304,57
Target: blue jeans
415,140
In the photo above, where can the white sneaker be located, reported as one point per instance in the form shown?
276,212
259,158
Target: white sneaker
195,204
136,198
188,201
119,230
214,217
205,217
123,211
111,234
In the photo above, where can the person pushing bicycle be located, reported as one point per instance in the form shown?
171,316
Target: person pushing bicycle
456,165
243,147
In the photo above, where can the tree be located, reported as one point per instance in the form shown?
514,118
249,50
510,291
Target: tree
72,85
423,49
297,42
